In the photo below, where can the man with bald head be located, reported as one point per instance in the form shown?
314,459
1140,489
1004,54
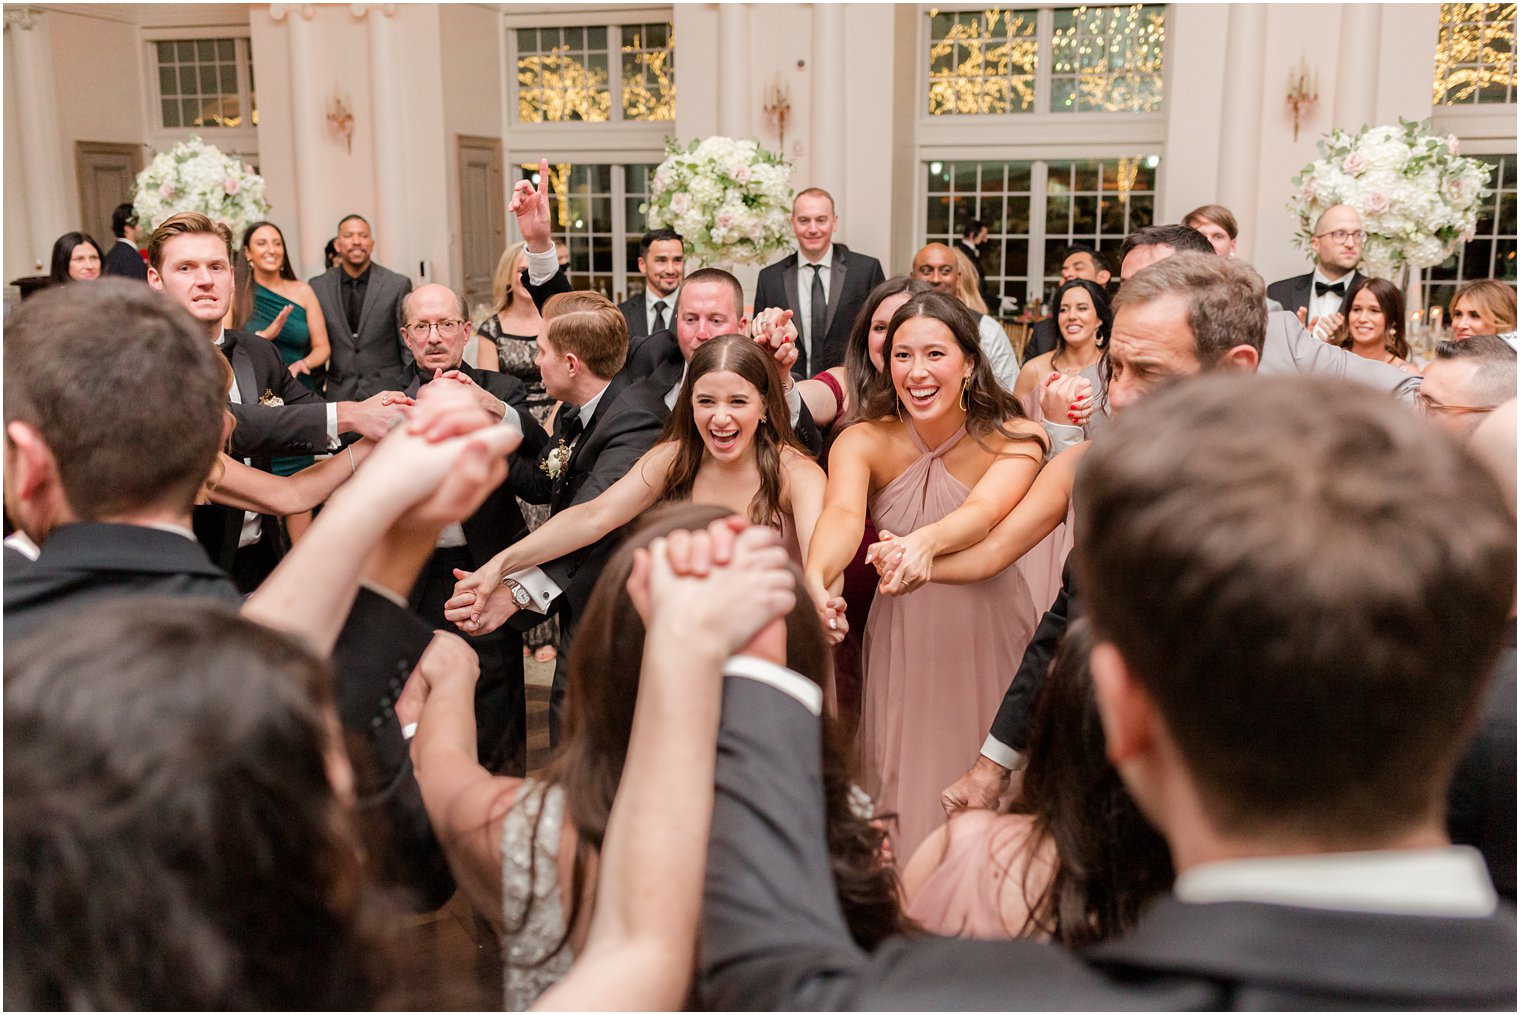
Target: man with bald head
935,264
434,323
1316,297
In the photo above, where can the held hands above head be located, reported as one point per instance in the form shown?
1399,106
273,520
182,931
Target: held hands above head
774,329
1067,398
531,206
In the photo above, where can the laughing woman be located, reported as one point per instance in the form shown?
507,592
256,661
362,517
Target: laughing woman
942,454
727,442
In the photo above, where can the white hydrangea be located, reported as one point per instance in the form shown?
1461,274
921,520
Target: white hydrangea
195,176
729,199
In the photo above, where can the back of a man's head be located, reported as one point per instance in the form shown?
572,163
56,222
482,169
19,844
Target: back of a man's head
122,389
589,325
1492,361
1311,585
1225,298
1182,239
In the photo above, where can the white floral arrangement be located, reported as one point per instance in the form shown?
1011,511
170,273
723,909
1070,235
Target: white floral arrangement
1418,197
730,200
195,176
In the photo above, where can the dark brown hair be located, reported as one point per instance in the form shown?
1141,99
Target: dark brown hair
743,357
1109,861
63,251
1277,563
604,683
1226,300
859,372
186,223
131,423
589,325
1390,301
989,407
242,273
172,839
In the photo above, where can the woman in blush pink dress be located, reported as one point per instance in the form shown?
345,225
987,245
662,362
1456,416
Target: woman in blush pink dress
940,455
1075,861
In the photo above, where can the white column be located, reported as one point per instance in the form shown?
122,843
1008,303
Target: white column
733,70
42,156
309,133
828,101
1356,77
392,234
1240,119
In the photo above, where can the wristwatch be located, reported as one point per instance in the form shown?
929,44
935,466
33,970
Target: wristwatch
519,594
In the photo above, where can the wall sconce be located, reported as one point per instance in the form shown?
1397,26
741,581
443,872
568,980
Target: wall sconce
778,109
1303,93
340,121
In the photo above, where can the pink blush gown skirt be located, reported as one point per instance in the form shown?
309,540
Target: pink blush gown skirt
937,662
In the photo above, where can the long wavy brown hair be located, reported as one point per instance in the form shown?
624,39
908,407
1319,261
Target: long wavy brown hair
743,357
604,684
988,406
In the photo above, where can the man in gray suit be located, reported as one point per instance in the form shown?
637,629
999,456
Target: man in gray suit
1287,714
359,300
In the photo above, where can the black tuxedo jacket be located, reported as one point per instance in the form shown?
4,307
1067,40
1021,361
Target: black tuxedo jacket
853,278
1480,807
611,441
773,936
1293,293
1011,724
1042,339
498,522
125,262
89,562
636,313
298,425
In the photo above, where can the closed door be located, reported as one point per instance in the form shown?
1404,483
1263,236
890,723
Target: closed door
482,215
107,177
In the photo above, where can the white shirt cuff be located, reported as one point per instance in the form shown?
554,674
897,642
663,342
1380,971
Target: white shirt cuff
510,417
333,444
1061,436
794,403
385,593
999,753
788,682
542,590
542,265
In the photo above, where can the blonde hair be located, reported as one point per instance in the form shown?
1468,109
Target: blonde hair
501,281
1491,298
589,325
967,279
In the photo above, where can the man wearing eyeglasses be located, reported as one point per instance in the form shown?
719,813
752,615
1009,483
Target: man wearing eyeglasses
435,326
1465,382
1316,297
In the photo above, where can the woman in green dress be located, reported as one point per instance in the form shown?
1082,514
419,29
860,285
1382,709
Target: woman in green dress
277,306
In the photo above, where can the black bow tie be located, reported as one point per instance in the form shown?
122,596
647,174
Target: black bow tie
1339,288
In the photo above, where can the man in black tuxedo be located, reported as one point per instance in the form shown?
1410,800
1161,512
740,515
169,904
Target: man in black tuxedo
359,299
124,259
973,235
1078,262
190,261
823,284
107,448
662,261
1287,715
435,325
1316,297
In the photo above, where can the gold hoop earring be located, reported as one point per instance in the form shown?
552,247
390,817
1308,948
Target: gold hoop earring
899,410
965,387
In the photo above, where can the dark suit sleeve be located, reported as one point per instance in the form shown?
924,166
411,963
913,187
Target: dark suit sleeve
773,936
515,393
1292,293
808,432
768,291
376,651
1011,724
558,283
266,430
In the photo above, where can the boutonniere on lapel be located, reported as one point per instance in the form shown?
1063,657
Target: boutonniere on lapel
270,398
555,461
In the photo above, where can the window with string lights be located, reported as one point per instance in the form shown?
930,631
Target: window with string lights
1083,59
1475,55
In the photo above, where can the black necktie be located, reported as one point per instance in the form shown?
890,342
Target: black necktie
1339,288
659,318
351,303
570,425
817,312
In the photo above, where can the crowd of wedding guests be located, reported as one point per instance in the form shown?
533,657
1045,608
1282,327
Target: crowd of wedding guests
1164,657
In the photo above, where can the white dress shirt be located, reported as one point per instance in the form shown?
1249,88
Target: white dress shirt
1330,303
999,352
